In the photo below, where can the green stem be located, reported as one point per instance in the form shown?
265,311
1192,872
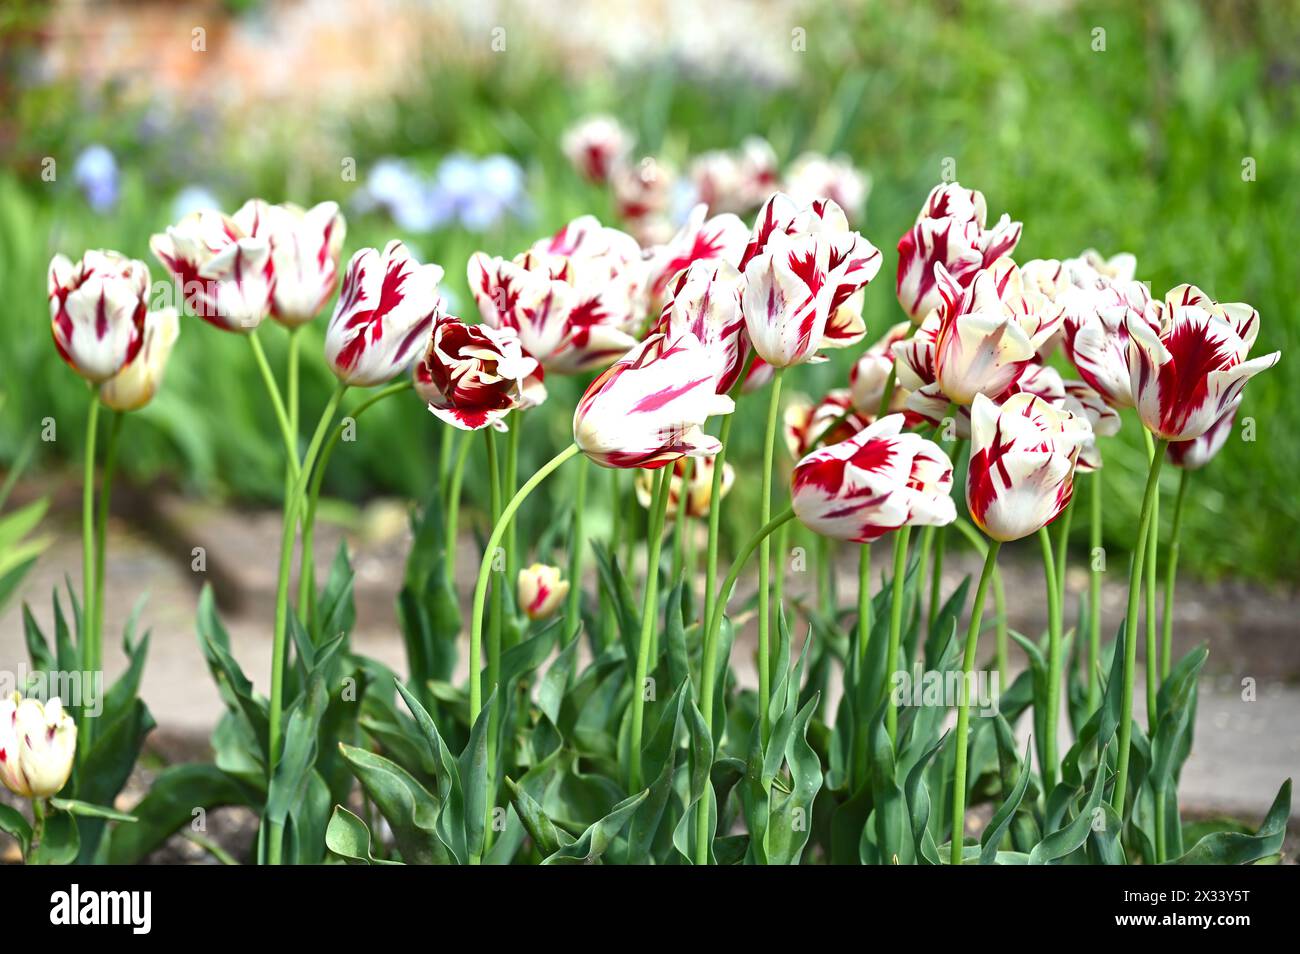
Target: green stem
887,395
1171,576
765,558
1149,591
485,569
1053,702
710,659
922,569
89,651
715,518
453,506
38,830
1130,628
679,521
279,644
649,606
510,483
306,563
963,704
577,546
862,639
494,624
936,574
273,391
101,529
1094,592
1062,549
895,628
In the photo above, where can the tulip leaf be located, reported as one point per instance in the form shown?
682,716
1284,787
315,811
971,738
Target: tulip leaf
60,842
1236,848
410,809
348,837
87,810
659,765
596,840
1067,839
547,838
702,797
1002,818
472,770
12,822
181,794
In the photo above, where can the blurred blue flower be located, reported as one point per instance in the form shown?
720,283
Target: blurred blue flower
191,199
472,193
95,173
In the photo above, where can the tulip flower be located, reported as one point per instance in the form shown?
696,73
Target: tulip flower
1188,361
697,489
223,264
1199,451
950,232
704,300
135,385
648,409
721,238
1022,462
735,180
595,146
829,421
305,250
472,376
541,591
643,192
814,176
38,743
574,299
870,375
385,311
989,332
878,480
97,311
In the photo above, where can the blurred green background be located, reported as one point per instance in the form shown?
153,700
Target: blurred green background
1145,146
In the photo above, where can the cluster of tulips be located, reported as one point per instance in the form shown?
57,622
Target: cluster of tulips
674,335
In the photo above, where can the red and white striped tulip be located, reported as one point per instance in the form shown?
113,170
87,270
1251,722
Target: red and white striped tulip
870,374
541,590
813,176
472,376
721,238
698,489
643,193
135,385
989,331
97,311
878,480
1023,455
1096,339
384,315
306,245
595,146
1188,361
223,264
38,744
705,301
802,269
1079,399
828,421
728,180
949,232
1199,451
649,408
575,298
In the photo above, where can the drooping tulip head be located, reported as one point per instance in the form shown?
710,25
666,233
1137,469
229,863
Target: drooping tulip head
1188,363
97,311
472,376
222,264
878,480
38,743
135,385
649,408
384,315
541,591
1023,454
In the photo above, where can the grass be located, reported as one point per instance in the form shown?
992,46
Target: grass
1139,147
